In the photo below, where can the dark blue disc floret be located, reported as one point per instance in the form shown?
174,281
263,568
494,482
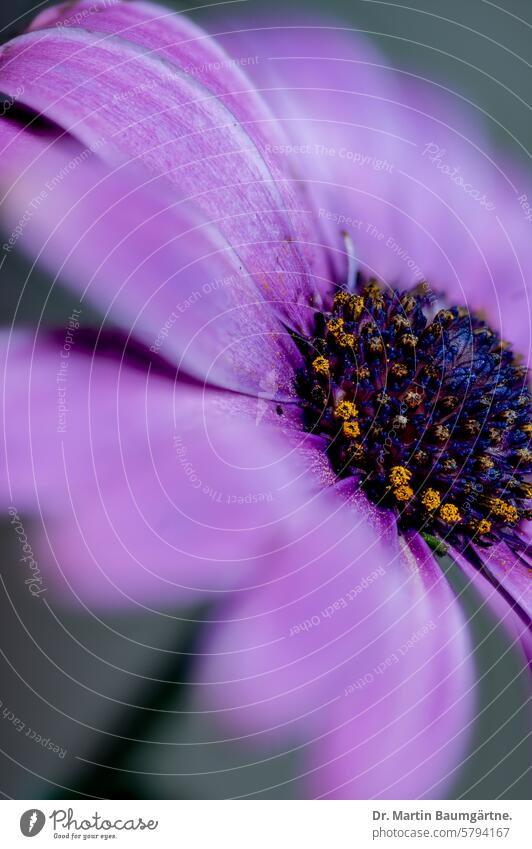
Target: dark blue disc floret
426,405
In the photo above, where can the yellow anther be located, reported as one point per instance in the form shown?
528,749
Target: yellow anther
356,306
403,493
503,510
321,365
356,451
341,299
399,475
345,340
345,410
375,345
413,398
351,429
409,340
399,370
485,462
432,371
335,325
527,428
400,322
431,499
408,303
372,289
362,372
450,513
484,526
449,402
442,433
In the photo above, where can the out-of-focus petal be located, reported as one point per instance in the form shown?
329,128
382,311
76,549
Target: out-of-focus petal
355,645
401,164
148,492
133,105
148,260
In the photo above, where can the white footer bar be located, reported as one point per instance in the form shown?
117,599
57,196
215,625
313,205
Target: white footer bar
265,824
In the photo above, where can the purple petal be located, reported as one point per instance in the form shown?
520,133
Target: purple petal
132,105
504,611
401,164
146,491
511,572
178,41
345,606
148,261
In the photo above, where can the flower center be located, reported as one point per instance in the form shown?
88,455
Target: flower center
428,408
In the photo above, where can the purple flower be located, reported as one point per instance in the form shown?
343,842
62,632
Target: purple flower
278,412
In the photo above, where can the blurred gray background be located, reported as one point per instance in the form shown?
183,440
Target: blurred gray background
87,683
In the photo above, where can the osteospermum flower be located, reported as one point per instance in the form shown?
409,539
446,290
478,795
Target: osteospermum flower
309,380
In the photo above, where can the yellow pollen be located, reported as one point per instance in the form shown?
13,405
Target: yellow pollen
450,514
372,289
351,429
403,493
399,475
441,432
504,510
399,370
356,451
341,299
431,499
409,340
345,410
321,365
527,428
335,325
356,306
375,345
408,303
346,340
527,490
413,399
484,526
400,322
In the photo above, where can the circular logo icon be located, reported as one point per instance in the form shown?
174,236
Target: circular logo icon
32,822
